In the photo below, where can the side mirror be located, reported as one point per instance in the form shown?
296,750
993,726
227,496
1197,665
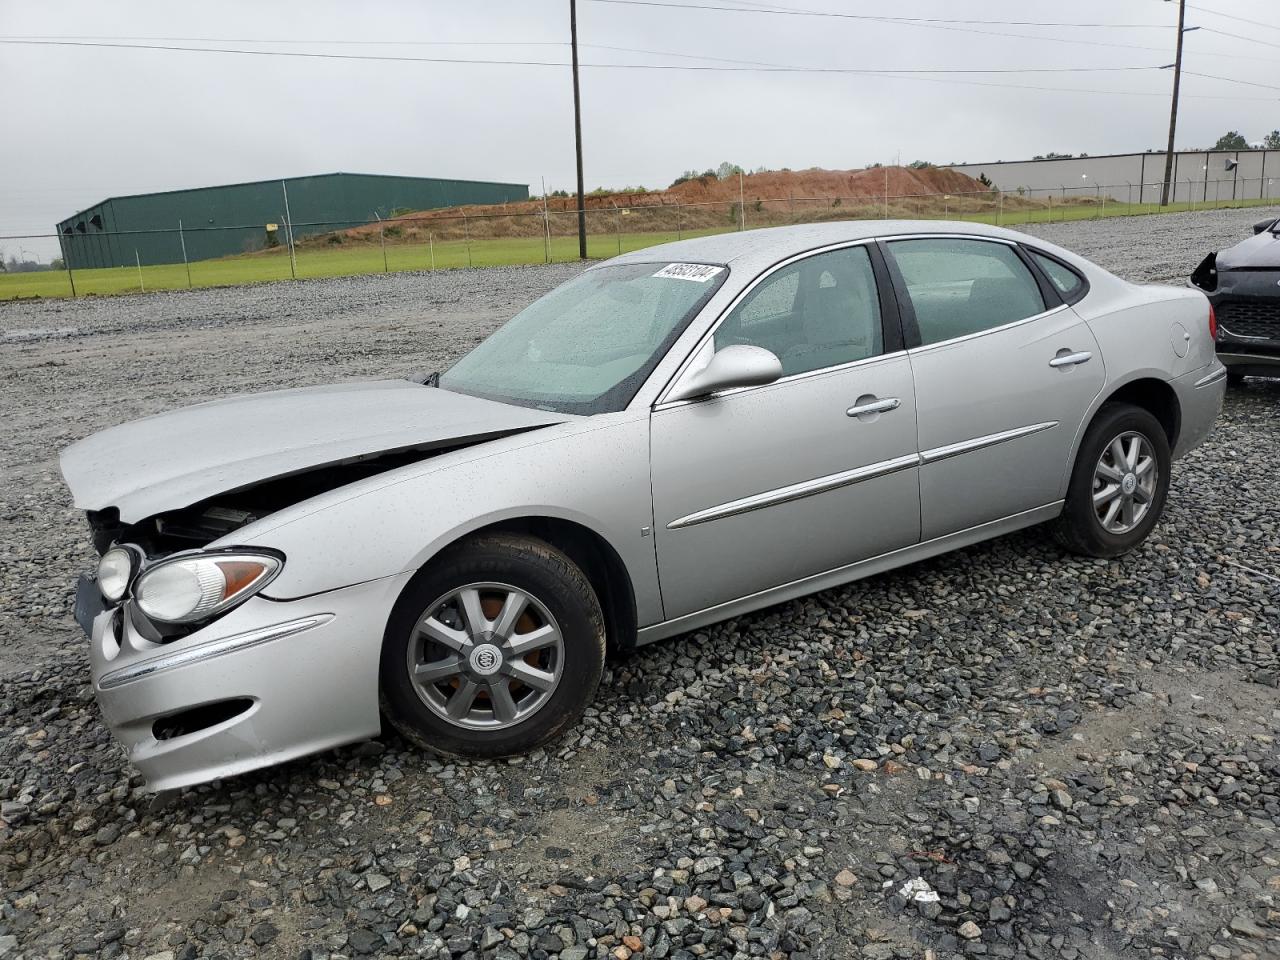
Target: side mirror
1262,225
737,365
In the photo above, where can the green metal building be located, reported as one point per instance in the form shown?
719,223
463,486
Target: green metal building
242,217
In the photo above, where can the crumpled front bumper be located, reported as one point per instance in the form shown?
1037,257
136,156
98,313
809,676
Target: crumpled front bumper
267,682
1247,303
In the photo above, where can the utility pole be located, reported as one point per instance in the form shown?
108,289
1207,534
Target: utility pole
183,240
546,222
742,203
577,130
288,228
1173,110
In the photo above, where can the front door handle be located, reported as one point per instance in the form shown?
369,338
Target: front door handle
1071,359
869,405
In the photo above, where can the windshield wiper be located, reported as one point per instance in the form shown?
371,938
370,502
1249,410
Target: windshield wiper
431,379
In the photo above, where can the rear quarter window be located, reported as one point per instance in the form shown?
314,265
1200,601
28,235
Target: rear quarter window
1065,279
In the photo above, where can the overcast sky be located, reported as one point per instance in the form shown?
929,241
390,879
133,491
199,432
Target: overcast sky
80,124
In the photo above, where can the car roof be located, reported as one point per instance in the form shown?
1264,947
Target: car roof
754,250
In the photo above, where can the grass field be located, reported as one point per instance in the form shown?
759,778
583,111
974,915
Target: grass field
314,261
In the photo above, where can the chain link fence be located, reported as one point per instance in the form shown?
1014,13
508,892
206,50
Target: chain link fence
546,231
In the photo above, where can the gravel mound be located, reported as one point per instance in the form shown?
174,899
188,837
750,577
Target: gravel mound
1003,752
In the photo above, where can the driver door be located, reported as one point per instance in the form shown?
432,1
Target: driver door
757,487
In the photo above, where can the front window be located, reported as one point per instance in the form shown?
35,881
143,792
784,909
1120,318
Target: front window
587,346
818,312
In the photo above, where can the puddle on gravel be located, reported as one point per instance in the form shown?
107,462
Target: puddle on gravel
38,333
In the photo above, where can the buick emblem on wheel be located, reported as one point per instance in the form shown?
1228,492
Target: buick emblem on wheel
485,659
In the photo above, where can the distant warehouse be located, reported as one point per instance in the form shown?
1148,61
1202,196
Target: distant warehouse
243,217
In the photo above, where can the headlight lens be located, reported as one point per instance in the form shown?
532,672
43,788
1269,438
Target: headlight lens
191,588
114,572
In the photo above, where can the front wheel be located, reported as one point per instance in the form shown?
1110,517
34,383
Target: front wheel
494,649
1118,485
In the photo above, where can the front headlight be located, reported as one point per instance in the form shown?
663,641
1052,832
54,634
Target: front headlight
198,586
115,570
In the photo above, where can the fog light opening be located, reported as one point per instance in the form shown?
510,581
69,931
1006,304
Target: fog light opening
199,718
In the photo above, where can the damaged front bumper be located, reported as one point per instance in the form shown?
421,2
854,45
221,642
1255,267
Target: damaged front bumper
1247,306
269,681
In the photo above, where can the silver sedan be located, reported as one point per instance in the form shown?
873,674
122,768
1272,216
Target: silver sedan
674,437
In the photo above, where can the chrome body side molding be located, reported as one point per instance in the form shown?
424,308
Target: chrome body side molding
796,491
980,443
845,574
209,650
1219,374
809,488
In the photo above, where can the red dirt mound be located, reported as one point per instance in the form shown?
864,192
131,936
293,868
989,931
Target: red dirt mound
815,183
700,203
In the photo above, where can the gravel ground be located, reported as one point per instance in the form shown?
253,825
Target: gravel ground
1003,752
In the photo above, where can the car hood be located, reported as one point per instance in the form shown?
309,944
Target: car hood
173,460
1259,251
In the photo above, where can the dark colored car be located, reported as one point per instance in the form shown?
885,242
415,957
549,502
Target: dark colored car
1243,284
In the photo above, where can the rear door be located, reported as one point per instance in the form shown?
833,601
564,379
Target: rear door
1004,371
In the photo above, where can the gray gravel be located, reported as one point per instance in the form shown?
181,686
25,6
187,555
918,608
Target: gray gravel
1004,752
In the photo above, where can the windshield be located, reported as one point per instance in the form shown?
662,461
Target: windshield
586,346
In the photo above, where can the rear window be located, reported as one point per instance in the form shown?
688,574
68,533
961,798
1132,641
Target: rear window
1065,280
960,286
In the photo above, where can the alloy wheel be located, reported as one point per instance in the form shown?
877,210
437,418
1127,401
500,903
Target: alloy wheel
1124,482
486,656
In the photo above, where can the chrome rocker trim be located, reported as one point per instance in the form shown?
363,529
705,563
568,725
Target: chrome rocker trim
207,651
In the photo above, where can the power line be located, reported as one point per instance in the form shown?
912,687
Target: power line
296,41
381,58
1228,16
309,55
1023,86
1240,36
50,38
794,12
384,43
745,67
1246,83
1004,34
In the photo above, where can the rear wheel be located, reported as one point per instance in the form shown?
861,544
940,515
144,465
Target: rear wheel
494,649
1235,379
1118,485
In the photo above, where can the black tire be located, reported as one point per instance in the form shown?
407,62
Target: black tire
1235,379
1079,529
531,566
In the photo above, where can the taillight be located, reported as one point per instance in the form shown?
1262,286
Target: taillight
1213,324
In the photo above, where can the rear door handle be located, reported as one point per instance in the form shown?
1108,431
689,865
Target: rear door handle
873,406
1071,359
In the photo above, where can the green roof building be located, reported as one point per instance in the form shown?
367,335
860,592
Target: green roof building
243,217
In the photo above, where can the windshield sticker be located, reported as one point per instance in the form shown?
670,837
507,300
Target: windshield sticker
697,272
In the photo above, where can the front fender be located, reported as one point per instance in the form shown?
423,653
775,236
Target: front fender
593,472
